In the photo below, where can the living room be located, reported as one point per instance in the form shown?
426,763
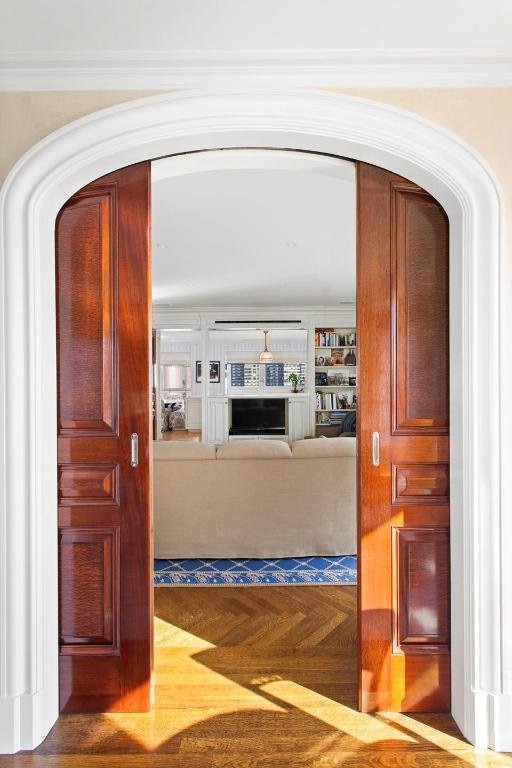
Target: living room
246,249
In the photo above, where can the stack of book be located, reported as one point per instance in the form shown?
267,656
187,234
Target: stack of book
336,417
328,337
326,401
330,401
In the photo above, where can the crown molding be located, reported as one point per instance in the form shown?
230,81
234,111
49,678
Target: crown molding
164,70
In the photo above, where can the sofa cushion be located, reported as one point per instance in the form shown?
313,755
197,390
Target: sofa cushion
322,447
182,450
254,449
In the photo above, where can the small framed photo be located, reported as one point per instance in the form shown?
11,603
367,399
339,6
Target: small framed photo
214,371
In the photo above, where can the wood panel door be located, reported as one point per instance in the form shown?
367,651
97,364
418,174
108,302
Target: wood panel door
404,570
103,327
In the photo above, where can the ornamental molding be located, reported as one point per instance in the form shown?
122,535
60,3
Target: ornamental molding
163,70
481,411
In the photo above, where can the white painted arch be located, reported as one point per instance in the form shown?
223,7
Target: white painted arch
480,286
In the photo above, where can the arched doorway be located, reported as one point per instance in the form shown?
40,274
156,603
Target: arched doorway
89,148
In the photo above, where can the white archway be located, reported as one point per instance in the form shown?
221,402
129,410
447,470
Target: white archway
402,142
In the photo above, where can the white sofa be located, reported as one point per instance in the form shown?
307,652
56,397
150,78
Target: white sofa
256,498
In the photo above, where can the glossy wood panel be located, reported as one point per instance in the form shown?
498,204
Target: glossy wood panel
403,387
422,682
422,562
89,484
89,588
421,484
419,275
104,294
87,312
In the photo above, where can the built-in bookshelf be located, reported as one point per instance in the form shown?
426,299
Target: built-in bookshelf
335,376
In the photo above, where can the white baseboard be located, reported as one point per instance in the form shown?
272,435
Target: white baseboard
500,722
25,721
10,723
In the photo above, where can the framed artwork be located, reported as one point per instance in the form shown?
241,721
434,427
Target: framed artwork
214,371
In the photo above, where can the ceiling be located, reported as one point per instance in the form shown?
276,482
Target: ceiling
168,44
253,228
162,25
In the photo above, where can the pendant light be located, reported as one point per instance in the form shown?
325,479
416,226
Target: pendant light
266,356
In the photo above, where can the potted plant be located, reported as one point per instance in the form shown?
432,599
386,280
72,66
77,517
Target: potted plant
294,380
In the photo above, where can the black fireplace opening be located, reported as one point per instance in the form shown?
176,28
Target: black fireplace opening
258,416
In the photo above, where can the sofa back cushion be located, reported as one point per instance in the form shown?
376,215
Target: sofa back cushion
254,449
324,447
182,450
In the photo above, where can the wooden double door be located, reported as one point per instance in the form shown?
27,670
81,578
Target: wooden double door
104,409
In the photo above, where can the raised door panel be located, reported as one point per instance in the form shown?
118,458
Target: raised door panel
89,590
86,314
422,609
419,275
421,483
89,484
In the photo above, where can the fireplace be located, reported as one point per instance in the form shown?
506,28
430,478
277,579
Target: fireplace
258,416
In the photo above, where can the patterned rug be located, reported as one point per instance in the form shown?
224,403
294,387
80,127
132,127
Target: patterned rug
287,570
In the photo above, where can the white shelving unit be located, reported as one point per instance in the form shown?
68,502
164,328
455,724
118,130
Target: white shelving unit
335,376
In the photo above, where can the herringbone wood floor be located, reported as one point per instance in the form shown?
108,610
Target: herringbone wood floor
254,678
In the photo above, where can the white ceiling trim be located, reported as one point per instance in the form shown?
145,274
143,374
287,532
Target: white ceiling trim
162,70
165,316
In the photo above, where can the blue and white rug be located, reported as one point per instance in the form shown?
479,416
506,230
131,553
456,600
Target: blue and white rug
286,570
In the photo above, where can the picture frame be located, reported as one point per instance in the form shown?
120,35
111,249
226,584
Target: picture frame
320,379
214,372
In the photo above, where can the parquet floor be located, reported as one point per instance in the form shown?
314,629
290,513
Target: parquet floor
255,677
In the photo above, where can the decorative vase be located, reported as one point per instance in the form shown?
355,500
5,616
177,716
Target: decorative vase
350,357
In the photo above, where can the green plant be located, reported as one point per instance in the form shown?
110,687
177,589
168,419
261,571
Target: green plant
294,380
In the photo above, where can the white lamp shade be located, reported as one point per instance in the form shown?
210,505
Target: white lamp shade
266,355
